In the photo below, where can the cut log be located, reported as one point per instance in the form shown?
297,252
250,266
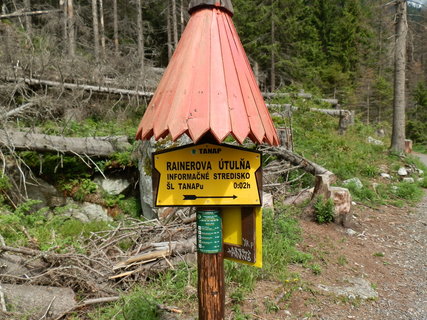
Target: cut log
76,86
91,146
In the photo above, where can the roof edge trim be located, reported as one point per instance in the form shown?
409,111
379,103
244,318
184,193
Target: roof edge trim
221,4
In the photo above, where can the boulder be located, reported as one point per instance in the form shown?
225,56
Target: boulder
87,212
267,200
355,181
35,300
408,180
112,186
46,194
145,167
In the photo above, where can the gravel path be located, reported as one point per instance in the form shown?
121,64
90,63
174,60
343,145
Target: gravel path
413,258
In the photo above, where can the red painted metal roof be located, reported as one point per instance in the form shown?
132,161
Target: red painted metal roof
209,87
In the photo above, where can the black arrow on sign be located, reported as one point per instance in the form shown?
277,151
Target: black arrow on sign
194,197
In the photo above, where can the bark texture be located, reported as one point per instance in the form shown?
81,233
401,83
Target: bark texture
398,135
91,146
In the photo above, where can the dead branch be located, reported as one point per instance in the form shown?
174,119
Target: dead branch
92,146
16,111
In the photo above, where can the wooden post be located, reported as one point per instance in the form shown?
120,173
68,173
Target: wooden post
210,263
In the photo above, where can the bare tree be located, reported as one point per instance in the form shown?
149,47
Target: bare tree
28,22
174,24
398,135
168,30
273,56
116,28
70,27
141,48
102,26
95,27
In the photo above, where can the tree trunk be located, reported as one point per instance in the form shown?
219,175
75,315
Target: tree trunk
116,28
169,31
102,26
181,16
28,22
174,24
273,57
32,13
140,37
95,28
398,135
91,146
71,29
64,5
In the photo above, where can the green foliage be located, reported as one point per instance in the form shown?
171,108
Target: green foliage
280,235
141,307
323,210
80,188
4,182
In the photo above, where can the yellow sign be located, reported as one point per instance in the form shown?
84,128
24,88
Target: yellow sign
232,234
207,175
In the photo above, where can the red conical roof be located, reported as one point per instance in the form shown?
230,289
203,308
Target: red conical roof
209,87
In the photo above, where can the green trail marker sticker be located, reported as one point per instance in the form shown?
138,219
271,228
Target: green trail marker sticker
209,231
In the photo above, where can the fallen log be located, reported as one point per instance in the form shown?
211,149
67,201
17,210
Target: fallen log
31,13
297,160
90,146
270,95
332,112
76,86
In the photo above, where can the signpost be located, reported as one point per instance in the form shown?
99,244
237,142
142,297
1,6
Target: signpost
210,93
207,175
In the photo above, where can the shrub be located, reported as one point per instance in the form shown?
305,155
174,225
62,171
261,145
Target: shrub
324,210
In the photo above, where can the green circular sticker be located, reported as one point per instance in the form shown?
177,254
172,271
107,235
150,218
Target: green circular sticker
209,231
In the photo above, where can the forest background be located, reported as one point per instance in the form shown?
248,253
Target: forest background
334,48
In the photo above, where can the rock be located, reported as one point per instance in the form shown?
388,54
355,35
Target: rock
375,141
385,176
408,180
112,186
267,200
360,288
47,194
356,181
145,166
35,300
301,197
420,172
381,133
394,188
350,232
12,265
87,212
342,205
402,172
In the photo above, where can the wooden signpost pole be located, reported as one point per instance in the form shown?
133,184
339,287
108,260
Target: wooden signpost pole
211,290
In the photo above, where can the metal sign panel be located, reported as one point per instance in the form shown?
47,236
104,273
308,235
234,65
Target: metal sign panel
242,231
207,175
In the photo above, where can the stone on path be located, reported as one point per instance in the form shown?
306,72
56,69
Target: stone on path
358,288
35,300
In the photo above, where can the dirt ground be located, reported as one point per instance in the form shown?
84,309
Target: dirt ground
387,252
